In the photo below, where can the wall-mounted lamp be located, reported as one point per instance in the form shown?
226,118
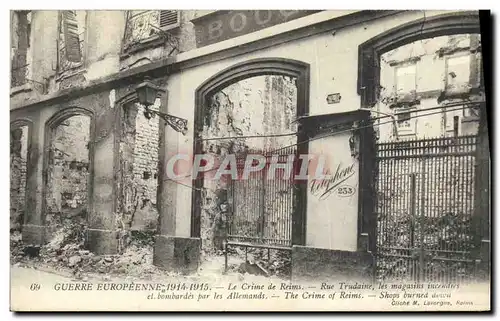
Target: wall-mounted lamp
147,92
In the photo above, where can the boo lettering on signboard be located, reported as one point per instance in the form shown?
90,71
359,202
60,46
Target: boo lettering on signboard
223,25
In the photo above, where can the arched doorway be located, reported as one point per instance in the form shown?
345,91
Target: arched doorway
68,168
427,74
250,108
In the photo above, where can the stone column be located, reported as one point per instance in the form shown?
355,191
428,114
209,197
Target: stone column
102,232
33,229
340,230
171,252
482,200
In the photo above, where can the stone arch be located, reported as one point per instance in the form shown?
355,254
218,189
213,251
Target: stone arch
56,120
370,51
248,69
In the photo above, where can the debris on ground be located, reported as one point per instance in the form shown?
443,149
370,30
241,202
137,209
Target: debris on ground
66,252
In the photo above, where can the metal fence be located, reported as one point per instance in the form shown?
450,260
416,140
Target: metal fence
424,205
262,207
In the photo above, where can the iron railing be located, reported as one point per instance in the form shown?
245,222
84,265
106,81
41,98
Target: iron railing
262,207
425,206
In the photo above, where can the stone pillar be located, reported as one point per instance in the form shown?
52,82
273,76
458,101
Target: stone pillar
171,252
102,232
33,228
339,225
482,198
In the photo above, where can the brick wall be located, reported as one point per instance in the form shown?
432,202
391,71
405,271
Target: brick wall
139,168
146,152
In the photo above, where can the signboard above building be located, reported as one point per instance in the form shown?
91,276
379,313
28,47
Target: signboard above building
222,25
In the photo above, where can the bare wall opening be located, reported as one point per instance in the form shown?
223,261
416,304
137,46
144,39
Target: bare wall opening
68,171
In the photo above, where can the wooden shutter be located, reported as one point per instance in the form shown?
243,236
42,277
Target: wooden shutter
169,19
71,37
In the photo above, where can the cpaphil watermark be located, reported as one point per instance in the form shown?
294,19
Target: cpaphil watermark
297,167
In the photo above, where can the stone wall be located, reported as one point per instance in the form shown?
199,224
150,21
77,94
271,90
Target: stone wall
263,105
68,171
18,159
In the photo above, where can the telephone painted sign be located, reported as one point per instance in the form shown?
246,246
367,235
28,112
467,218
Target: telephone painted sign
223,25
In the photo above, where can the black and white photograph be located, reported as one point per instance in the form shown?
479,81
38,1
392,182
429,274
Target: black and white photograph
250,160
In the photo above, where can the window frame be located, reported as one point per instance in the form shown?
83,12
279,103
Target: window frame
75,68
155,40
26,85
412,121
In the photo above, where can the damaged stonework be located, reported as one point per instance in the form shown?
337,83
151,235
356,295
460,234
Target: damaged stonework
68,173
18,168
258,106
427,73
138,159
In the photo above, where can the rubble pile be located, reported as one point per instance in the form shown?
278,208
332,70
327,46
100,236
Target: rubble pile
257,261
66,251
16,246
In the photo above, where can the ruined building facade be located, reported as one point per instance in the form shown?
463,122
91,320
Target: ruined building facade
84,149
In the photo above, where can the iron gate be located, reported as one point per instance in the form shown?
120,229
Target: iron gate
425,205
261,207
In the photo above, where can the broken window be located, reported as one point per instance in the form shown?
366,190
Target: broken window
68,170
72,26
471,112
406,82
458,73
20,48
143,26
18,167
429,72
405,123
